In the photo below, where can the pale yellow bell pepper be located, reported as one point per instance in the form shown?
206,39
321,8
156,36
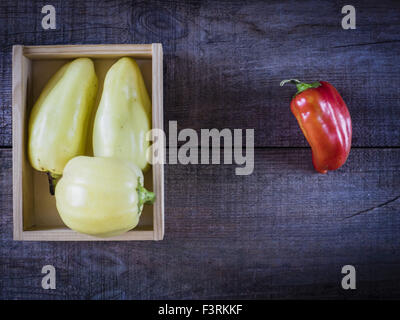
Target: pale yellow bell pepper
102,197
123,118
59,119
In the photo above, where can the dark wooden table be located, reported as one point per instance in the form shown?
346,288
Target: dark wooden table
281,232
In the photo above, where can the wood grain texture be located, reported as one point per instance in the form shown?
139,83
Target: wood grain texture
281,232
224,59
248,243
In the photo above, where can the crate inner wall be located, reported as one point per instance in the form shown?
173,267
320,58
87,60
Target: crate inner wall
42,213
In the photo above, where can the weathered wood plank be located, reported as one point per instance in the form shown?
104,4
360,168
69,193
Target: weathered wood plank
278,233
224,60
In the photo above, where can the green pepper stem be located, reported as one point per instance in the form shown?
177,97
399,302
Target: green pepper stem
53,179
301,86
145,196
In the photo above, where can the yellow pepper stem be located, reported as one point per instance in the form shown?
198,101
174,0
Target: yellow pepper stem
53,179
145,196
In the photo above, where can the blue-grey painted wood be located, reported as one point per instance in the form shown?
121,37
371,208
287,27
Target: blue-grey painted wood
223,60
280,233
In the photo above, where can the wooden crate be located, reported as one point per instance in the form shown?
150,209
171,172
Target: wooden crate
34,210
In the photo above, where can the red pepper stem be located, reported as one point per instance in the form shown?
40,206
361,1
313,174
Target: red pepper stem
301,86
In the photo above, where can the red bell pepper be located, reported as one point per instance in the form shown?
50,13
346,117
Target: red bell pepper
325,121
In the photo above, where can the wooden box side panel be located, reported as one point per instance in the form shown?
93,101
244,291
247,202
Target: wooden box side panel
158,123
22,173
65,234
94,51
